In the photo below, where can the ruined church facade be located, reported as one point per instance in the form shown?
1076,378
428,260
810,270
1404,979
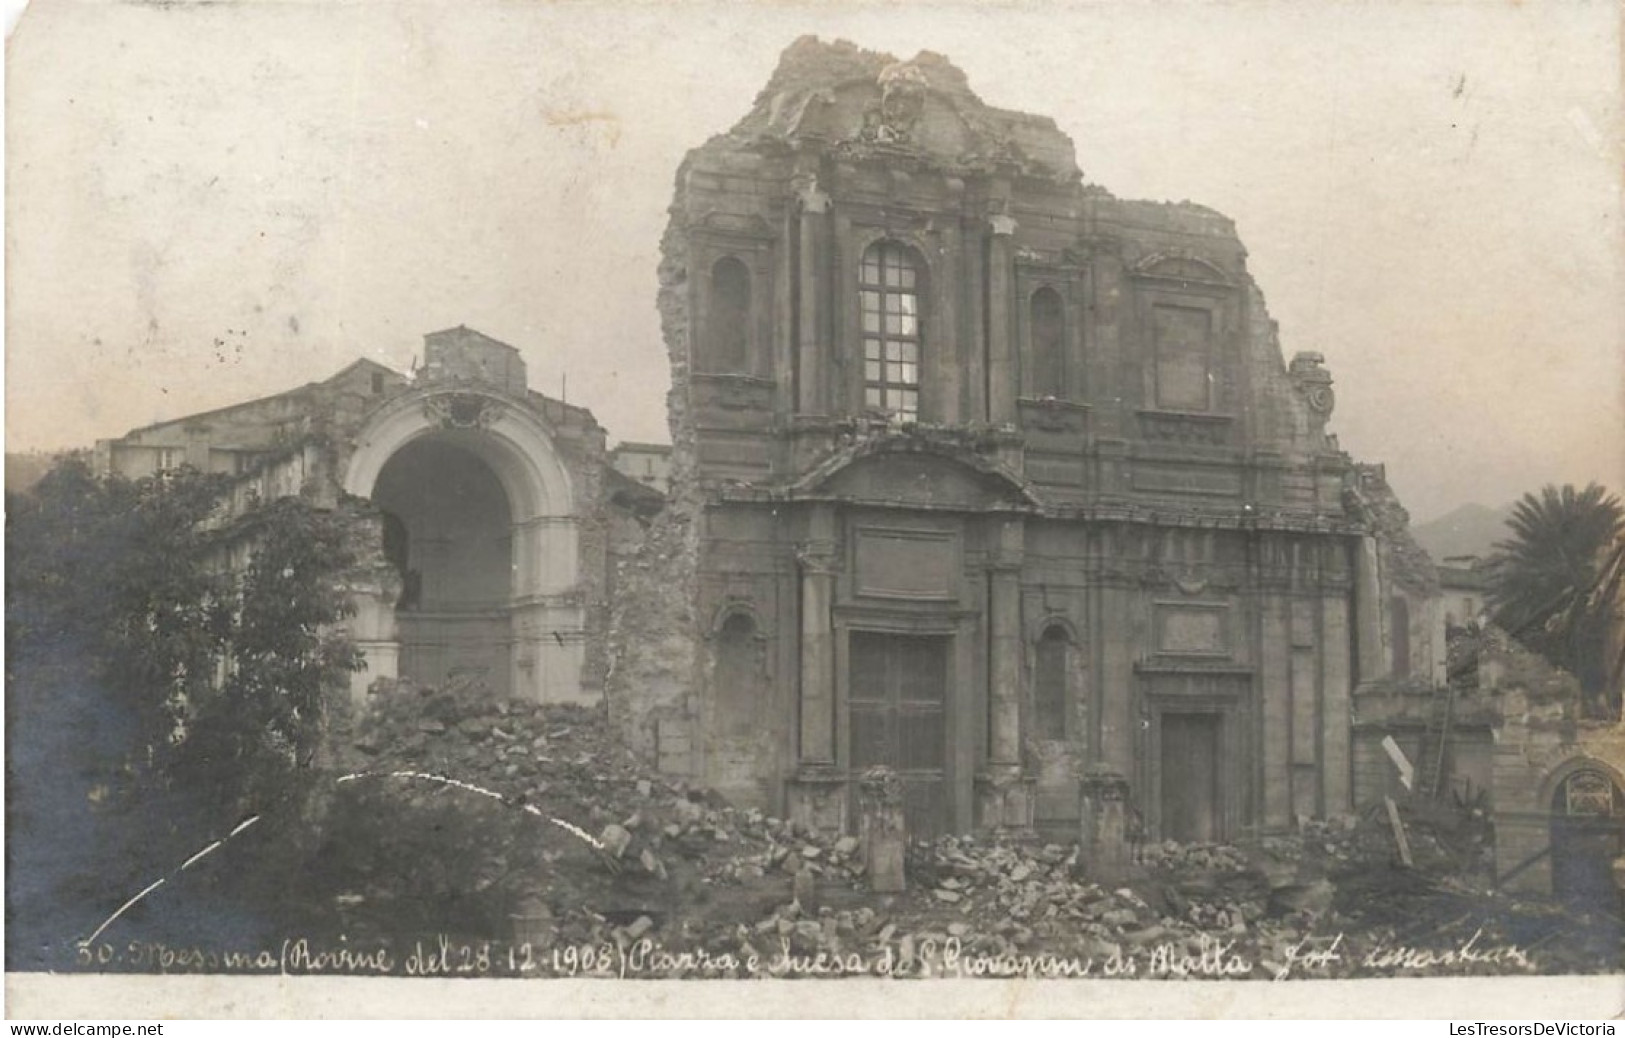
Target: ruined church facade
988,476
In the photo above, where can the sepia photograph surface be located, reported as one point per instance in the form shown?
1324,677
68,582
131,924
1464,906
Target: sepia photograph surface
1029,509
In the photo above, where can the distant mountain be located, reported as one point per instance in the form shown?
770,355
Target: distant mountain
1469,530
23,470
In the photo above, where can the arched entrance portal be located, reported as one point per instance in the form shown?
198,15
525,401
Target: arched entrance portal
480,525
1588,833
448,533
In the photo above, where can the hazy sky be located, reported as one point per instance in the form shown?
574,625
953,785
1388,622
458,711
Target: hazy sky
206,203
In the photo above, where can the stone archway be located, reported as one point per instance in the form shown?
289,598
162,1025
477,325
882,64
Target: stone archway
492,583
1587,805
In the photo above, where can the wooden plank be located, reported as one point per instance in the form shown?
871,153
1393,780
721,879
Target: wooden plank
1397,755
1399,831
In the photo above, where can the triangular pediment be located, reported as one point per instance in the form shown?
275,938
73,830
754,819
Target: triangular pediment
1181,265
913,478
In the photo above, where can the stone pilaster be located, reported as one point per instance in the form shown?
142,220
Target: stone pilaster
1369,609
1001,363
812,389
1336,690
1004,669
1004,793
817,561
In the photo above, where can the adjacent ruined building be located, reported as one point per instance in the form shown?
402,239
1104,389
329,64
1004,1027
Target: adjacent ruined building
984,474
483,510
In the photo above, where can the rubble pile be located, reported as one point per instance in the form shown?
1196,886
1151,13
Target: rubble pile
1171,855
602,852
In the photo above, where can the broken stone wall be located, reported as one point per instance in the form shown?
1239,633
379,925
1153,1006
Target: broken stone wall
1411,714
580,442
1540,742
1402,630
653,633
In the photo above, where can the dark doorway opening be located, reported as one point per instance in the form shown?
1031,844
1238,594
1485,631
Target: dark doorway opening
898,703
1588,833
448,530
1189,772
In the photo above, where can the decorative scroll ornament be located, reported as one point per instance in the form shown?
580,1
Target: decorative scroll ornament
463,410
1313,382
1189,582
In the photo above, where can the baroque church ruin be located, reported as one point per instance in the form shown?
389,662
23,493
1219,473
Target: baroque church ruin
986,475
977,472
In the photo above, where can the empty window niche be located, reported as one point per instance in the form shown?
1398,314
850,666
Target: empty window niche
727,327
739,680
889,309
1047,322
1399,618
1183,340
1050,683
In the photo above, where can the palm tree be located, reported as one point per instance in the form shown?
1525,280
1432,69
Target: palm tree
1555,584
1609,600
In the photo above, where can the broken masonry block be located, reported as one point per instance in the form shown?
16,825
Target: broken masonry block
805,891
882,830
1104,830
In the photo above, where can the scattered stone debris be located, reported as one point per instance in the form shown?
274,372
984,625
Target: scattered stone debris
676,868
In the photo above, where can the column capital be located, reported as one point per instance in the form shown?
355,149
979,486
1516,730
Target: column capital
1002,225
817,557
813,201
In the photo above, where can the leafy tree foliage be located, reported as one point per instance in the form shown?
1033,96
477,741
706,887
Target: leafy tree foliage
106,580
1554,583
170,668
121,587
286,662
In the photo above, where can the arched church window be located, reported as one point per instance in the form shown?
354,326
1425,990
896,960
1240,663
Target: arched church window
1047,321
1049,683
889,304
727,333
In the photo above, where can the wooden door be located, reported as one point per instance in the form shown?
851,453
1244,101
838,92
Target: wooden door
898,710
1190,778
